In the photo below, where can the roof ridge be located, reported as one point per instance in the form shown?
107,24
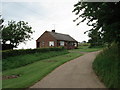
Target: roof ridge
61,36
58,33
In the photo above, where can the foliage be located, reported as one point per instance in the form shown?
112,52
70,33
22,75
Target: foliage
11,53
34,72
1,21
22,60
16,32
106,66
95,39
104,17
1,26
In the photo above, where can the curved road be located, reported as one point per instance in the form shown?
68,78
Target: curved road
76,73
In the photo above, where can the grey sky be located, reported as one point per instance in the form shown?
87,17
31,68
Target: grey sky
41,15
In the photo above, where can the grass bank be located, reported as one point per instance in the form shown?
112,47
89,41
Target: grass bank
34,72
22,60
107,68
86,49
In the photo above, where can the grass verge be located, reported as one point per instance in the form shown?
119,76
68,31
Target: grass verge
22,60
107,68
86,49
34,72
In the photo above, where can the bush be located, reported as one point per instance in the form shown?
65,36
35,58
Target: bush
106,66
11,53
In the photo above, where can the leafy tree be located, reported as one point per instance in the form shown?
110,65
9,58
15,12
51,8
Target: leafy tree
95,38
16,32
104,17
1,26
1,21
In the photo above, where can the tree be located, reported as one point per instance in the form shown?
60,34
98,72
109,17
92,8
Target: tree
1,21
95,38
1,26
16,32
104,17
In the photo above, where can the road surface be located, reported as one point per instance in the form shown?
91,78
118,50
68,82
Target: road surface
77,73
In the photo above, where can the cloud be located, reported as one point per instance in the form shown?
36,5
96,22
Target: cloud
15,10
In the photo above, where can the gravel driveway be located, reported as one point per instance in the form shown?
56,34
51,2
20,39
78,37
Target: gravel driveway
77,73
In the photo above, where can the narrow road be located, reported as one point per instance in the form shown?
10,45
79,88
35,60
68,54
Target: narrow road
77,73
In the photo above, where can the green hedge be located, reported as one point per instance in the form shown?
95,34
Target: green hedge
11,53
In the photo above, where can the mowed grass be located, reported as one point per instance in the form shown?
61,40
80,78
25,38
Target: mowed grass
34,72
86,49
22,60
107,66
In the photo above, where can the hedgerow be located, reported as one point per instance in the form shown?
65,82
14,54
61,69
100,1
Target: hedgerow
25,57
11,53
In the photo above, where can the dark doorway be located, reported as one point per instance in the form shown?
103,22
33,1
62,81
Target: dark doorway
38,44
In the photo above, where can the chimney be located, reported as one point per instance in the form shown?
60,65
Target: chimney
53,30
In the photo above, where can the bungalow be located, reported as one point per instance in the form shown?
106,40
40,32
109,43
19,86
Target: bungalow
53,39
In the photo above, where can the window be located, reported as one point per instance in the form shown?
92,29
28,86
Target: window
62,43
51,43
75,44
43,43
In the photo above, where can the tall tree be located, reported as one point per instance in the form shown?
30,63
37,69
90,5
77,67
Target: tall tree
104,17
16,32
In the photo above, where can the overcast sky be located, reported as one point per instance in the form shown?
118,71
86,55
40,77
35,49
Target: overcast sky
43,15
